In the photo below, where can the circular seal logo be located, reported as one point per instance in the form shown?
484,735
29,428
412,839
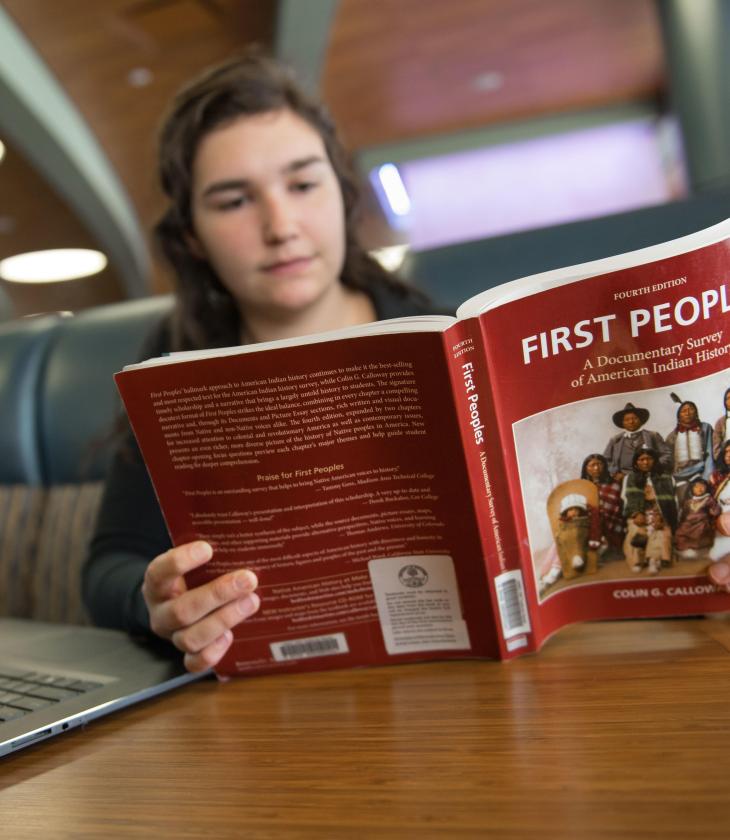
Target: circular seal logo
413,576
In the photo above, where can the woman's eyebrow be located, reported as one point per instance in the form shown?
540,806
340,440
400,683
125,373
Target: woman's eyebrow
225,186
302,163
244,183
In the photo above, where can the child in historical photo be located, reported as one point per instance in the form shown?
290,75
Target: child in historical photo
696,529
595,469
577,536
651,513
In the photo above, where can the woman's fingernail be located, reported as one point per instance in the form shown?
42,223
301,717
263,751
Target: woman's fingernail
247,606
201,551
245,581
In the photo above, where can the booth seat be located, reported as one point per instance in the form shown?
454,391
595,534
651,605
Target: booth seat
58,406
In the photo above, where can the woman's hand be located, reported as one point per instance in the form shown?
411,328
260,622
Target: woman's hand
198,621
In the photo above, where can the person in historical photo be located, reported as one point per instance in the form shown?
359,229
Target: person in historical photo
721,474
691,446
720,486
721,429
696,529
578,536
595,469
621,448
651,513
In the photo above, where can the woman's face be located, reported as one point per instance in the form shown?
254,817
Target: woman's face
644,462
268,213
727,401
594,468
726,455
687,415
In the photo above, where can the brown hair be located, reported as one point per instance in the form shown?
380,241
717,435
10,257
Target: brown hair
250,83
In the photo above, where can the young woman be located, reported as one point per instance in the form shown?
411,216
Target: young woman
260,231
595,468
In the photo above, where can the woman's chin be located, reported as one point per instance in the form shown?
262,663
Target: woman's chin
297,296
297,302
280,300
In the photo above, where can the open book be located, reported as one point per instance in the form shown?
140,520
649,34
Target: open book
421,488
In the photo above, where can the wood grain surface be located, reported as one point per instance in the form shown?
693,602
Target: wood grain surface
613,730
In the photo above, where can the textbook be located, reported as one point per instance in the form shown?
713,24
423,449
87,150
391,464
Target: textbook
444,488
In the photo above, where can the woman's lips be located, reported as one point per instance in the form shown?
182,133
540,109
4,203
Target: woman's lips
283,268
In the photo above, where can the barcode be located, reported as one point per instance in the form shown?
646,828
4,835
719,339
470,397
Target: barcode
305,648
512,603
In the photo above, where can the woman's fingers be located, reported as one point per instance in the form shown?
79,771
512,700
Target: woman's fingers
195,638
164,576
209,657
195,604
211,654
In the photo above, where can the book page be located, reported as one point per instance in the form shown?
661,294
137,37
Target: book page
306,464
413,323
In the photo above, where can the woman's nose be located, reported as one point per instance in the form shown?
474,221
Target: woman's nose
278,221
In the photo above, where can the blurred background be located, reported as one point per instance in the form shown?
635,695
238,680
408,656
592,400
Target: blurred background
500,125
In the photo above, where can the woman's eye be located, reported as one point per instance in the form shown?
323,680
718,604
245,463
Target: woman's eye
303,186
233,203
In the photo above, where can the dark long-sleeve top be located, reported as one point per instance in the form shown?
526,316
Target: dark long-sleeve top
130,530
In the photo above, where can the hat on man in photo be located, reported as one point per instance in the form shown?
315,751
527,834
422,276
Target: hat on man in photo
630,408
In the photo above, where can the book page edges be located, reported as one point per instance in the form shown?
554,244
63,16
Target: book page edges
534,283
415,323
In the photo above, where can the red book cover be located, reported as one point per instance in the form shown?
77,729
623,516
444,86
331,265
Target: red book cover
336,472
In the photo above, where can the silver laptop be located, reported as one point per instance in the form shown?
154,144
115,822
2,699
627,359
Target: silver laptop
54,677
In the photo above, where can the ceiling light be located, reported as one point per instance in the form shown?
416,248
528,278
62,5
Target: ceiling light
395,189
2,150
52,266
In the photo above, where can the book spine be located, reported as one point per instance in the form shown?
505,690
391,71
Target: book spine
468,368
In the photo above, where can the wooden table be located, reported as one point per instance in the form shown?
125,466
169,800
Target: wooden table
613,730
